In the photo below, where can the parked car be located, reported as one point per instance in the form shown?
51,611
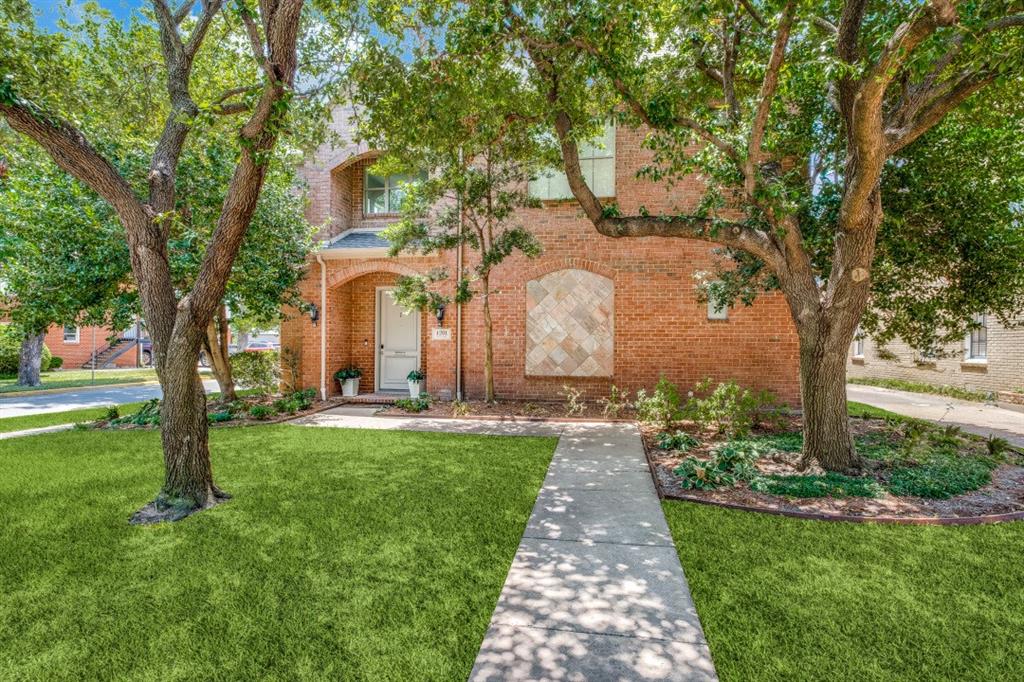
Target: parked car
147,354
262,346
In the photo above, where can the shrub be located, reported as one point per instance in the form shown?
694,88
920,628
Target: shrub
729,463
414,404
286,405
460,408
218,417
661,407
350,372
616,402
940,479
415,375
679,440
826,485
10,351
56,362
147,415
261,412
730,409
258,371
573,405
304,398
112,413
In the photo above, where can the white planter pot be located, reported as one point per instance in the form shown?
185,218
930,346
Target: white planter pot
414,389
350,388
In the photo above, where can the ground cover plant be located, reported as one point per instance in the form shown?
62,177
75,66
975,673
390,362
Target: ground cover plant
882,602
728,450
349,555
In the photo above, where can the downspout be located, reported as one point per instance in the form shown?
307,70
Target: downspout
458,305
323,326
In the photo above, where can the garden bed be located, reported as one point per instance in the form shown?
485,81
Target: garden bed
524,410
910,470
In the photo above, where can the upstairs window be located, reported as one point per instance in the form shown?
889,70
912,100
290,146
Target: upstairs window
385,193
597,161
71,334
976,341
858,344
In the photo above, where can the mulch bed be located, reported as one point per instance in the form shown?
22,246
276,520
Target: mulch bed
515,409
1004,495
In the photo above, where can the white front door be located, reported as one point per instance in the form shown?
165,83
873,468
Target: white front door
398,343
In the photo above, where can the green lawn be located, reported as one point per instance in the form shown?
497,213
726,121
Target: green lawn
77,378
34,421
786,599
345,554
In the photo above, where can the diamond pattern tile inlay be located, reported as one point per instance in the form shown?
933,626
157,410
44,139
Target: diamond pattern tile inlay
570,325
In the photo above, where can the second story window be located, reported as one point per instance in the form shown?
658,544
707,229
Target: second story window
976,342
597,161
858,344
71,334
385,193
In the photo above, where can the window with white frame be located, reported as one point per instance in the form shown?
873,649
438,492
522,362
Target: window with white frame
72,334
858,344
385,193
597,161
976,341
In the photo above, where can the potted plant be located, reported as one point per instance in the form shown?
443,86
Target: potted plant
415,379
348,379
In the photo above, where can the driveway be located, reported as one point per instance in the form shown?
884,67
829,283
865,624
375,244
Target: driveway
83,397
979,418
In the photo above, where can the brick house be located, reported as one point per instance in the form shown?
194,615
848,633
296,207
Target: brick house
591,311
990,359
75,346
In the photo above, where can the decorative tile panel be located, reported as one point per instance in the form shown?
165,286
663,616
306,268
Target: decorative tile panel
570,325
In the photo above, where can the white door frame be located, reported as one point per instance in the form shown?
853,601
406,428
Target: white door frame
377,336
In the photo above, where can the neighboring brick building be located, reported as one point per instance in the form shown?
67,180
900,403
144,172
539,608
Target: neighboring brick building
591,311
75,346
990,359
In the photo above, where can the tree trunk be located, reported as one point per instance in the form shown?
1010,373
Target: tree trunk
827,439
217,349
188,476
30,360
488,341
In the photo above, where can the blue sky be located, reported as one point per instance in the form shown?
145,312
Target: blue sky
48,11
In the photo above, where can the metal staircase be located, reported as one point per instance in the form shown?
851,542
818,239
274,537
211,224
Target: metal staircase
106,357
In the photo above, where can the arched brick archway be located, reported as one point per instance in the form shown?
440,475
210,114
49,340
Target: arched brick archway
344,275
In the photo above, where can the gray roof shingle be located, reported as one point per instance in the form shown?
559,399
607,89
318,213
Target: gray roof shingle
358,240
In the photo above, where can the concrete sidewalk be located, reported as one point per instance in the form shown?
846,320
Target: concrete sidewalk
596,591
978,418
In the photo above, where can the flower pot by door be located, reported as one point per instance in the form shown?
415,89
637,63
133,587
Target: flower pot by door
414,389
350,388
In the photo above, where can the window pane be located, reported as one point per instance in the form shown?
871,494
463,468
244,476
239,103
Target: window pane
602,179
375,201
374,181
396,195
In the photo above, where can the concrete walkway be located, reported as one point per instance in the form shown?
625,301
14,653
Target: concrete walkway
979,418
596,591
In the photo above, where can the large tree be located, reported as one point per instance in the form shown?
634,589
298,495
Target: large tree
772,102
73,101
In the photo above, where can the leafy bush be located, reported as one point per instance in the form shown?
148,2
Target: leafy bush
261,411
286,406
10,351
616,402
679,440
218,417
304,398
258,371
350,372
460,408
414,404
941,478
112,413
826,485
147,415
729,463
573,405
56,362
661,407
731,409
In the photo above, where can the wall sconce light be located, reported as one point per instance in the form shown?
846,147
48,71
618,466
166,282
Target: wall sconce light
314,313
440,314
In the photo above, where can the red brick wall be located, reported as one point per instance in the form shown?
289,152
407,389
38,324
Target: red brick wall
660,328
76,354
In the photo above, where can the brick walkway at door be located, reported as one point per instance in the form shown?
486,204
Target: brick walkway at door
596,591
